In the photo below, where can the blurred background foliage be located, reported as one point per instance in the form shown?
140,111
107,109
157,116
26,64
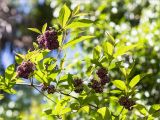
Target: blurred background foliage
129,21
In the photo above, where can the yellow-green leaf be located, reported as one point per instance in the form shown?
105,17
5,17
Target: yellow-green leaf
136,79
124,49
44,27
119,84
79,24
104,112
85,108
64,15
72,42
35,30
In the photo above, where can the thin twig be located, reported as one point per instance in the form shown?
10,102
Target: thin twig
77,99
43,93
68,95
28,84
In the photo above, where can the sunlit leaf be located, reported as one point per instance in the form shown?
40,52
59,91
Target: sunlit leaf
75,41
155,110
124,49
35,30
108,48
141,108
104,112
64,15
76,10
79,24
136,79
97,52
9,73
85,109
65,110
119,84
44,27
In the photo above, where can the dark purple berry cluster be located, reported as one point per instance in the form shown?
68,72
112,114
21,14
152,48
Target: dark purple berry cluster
78,85
25,69
49,40
96,86
49,88
102,74
126,102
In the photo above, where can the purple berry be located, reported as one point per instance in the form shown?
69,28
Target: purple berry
126,102
51,89
25,69
49,40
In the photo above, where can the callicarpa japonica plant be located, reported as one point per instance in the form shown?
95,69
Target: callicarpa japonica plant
91,93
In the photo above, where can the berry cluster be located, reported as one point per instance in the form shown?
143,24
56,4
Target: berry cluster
49,40
102,74
49,88
78,84
96,85
25,69
99,85
126,102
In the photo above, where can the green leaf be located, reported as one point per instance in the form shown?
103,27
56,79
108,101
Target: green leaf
72,42
65,110
35,45
96,52
9,73
85,109
76,10
104,112
111,39
120,84
136,79
64,15
44,28
48,111
124,49
81,14
108,48
155,110
142,109
79,24
35,30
